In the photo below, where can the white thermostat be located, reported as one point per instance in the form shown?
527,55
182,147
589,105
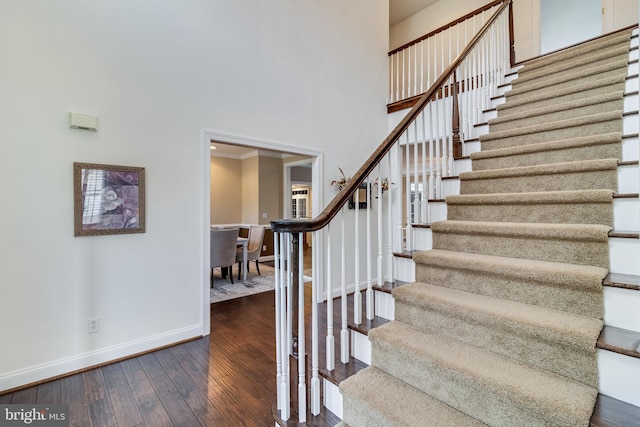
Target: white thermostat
83,121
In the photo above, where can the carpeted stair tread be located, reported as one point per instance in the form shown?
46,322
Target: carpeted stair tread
559,111
605,42
577,207
496,389
561,286
584,244
539,336
583,90
588,147
567,79
398,405
530,73
607,122
578,175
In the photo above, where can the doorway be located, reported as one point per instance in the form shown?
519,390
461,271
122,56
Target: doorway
313,158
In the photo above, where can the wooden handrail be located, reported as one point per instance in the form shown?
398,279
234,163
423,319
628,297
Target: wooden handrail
447,26
332,209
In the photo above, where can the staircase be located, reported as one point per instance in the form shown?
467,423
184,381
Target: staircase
502,323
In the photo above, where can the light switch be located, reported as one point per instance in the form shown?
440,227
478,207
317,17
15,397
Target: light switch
264,215
83,121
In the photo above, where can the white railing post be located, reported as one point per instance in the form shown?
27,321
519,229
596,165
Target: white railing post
380,251
357,295
369,294
302,375
315,379
330,341
344,331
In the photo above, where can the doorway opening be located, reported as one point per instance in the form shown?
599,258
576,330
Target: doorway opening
253,198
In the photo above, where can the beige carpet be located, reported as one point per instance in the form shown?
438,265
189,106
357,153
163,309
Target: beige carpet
501,325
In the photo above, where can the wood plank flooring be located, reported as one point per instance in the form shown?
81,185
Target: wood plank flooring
225,379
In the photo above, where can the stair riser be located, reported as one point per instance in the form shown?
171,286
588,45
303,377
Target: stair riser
576,52
566,96
621,308
578,213
506,284
537,75
626,213
570,113
569,154
498,336
568,251
618,374
630,149
580,129
560,182
524,92
624,255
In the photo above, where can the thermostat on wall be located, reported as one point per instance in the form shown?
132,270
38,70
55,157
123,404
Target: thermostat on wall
83,121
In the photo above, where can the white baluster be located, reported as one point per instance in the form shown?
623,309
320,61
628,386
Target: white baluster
357,295
397,76
380,235
415,74
282,350
423,194
315,379
344,331
432,143
403,77
390,272
422,66
302,376
391,99
438,144
407,175
330,342
416,212
369,294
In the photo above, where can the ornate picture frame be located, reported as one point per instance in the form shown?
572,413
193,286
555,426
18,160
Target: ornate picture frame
108,199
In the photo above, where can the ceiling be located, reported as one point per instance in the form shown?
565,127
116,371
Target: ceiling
399,10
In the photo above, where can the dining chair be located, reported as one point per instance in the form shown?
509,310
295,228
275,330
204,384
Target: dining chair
223,250
254,248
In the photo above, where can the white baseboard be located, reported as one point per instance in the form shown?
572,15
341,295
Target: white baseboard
101,356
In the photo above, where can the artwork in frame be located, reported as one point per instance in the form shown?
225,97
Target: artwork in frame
108,199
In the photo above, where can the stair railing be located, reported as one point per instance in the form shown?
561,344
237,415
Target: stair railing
411,160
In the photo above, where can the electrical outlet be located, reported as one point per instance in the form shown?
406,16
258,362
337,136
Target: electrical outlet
264,247
94,325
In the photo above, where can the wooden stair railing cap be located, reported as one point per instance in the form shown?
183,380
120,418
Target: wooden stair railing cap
332,209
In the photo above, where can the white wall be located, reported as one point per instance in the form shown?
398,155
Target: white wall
157,74
568,22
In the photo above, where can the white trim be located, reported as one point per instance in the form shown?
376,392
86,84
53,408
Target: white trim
92,358
317,174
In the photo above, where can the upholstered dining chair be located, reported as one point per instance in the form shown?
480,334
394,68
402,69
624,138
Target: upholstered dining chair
223,250
254,247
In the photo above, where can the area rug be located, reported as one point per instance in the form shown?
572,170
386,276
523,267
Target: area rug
224,290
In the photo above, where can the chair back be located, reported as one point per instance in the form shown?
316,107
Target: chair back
223,247
254,247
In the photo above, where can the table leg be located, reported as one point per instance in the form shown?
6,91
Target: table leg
244,262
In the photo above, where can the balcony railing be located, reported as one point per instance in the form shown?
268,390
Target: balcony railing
412,161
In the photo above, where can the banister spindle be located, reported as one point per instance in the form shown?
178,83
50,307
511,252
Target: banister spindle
315,378
344,331
357,295
369,294
380,252
330,341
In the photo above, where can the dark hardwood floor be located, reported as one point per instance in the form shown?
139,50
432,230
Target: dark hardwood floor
224,379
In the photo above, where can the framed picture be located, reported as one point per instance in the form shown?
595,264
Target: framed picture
108,199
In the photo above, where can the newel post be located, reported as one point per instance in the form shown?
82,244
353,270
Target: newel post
455,119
